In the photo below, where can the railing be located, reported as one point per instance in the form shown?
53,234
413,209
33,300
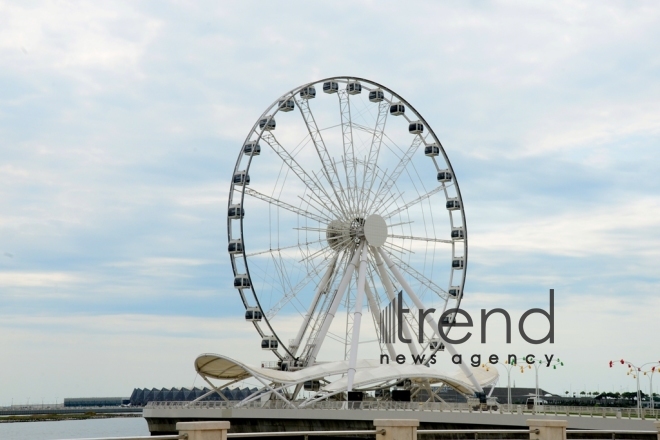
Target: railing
395,429
576,411
157,437
303,433
611,433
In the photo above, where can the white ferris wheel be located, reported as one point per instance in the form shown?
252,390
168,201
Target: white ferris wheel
343,196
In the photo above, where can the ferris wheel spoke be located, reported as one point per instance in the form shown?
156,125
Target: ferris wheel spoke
431,240
396,248
400,167
282,274
419,277
254,254
295,290
273,201
314,203
311,256
390,200
415,201
329,169
347,142
371,165
312,184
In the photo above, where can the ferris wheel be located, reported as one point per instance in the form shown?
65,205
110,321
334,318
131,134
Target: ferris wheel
342,197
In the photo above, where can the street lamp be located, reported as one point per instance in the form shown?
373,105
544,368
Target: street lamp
557,362
632,368
649,374
509,366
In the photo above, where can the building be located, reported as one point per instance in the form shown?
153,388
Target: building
73,402
141,396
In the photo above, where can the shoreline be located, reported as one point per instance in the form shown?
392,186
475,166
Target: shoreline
59,417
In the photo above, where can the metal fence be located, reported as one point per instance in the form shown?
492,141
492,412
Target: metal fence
533,434
577,411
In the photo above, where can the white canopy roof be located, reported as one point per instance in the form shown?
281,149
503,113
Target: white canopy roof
368,373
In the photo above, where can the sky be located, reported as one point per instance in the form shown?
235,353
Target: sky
120,123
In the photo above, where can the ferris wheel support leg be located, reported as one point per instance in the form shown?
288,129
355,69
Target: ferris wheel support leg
357,316
215,389
335,305
373,306
274,390
322,287
391,295
429,318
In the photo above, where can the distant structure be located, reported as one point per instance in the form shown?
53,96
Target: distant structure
518,395
73,402
141,396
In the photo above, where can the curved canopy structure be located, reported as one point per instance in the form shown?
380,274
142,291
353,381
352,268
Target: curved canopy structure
370,374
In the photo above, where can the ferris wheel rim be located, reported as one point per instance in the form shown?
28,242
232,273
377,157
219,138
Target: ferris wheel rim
271,111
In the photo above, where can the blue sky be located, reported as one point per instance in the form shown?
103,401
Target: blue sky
120,123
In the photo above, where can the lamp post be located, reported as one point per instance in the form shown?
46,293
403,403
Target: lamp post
509,367
557,362
632,368
649,374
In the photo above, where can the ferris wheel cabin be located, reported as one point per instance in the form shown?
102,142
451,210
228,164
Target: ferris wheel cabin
435,344
455,292
457,233
453,204
235,212
308,92
431,150
286,105
330,87
267,123
253,314
269,343
252,149
444,176
397,109
458,263
416,127
242,178
312,385
449,319
242,281
235,246
354,88
376,95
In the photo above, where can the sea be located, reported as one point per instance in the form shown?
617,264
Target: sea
74,429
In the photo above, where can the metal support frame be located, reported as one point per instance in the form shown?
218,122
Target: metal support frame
385,279
322,288
335,305
357,320
429,318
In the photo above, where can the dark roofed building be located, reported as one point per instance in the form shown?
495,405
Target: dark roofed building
141,396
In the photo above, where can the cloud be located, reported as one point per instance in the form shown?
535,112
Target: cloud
598,231
38,279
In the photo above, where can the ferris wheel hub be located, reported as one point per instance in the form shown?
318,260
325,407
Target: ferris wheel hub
375,230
